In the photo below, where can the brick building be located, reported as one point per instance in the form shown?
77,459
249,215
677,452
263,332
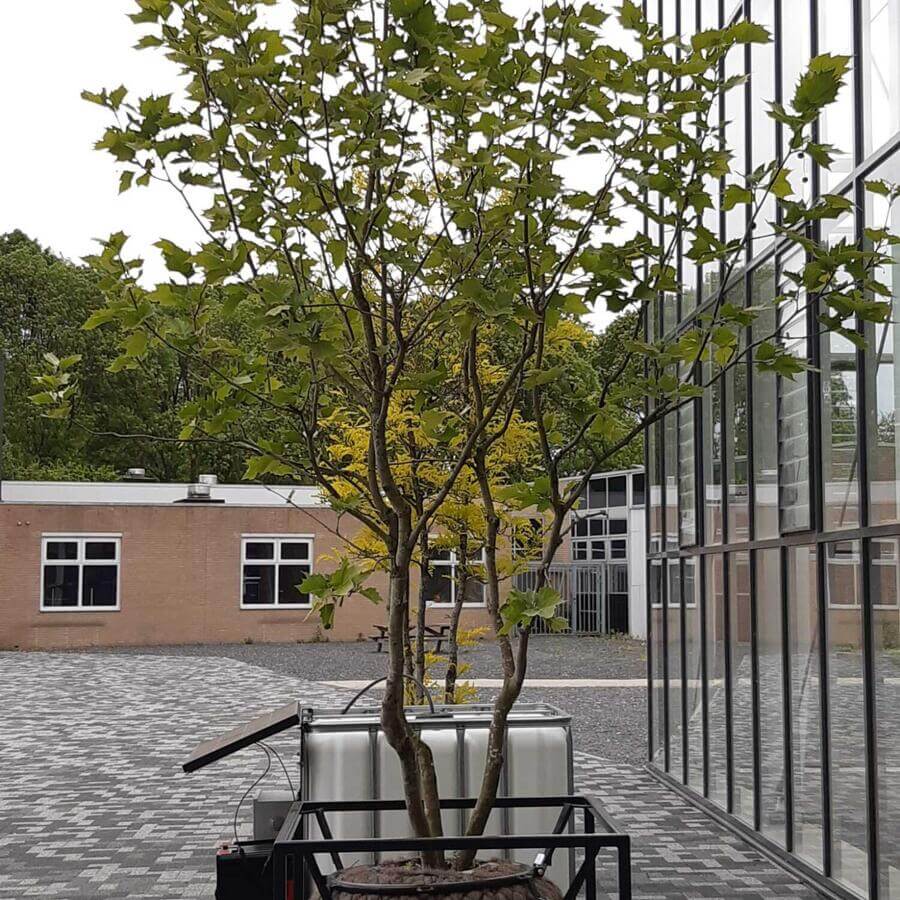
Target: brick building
141,563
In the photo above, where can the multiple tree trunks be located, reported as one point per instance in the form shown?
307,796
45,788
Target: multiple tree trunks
495,880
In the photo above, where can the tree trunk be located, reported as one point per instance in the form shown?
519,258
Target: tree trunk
416,762
420,616
462,585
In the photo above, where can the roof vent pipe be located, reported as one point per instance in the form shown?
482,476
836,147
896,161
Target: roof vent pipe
207,479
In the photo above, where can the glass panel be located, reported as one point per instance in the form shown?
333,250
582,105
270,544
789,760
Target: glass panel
618,491
886,621
439,585
836,122
741,684
687,494
762,92
715,668
656,509
676,709
99,585
840,448
882,416
658,735
637,490
735,126
793,415
737,411
100,550
806,718
474,591
60,585
845,689
709,14
295,550
62,550
770,644
259,550
259,585
693,686
795,55
712,457
881,25
672,481
765,406
290,577
597,493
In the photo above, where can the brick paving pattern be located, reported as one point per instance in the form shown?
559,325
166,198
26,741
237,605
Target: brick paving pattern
93,802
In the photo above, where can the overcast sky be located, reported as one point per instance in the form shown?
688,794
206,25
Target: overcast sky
53,185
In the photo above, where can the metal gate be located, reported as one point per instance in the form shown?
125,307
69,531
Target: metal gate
594,596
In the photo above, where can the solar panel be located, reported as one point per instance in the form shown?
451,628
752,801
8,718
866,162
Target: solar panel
257,729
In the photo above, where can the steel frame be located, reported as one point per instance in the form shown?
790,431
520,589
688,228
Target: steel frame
294,856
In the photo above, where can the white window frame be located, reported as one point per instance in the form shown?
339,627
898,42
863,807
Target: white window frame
80,538
451,564
276,562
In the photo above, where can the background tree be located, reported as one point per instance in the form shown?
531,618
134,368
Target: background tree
381,185
44,302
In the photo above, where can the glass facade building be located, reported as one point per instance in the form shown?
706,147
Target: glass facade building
774,504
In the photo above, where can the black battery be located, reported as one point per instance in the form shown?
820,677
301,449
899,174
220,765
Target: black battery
244,871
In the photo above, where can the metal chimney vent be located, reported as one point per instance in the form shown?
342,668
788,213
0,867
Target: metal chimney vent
208,479
136,473
199,493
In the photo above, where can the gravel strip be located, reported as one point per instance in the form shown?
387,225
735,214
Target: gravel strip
607,722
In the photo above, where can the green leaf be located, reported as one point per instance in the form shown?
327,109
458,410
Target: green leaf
136,344
748,33
735,194
781,186
819,85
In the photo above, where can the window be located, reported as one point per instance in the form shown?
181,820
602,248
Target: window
80,571
637,489
443,576
596,537
272,570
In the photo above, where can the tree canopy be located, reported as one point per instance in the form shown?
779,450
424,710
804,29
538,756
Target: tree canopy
386,211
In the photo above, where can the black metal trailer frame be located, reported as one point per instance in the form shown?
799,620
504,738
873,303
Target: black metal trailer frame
294,856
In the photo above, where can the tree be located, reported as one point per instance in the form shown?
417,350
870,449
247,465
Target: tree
381,194
44,301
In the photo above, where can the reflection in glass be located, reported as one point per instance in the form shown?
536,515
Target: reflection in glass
770,643
712,456
737,415
693,685
885,559
715,667
881,25
883,409
676,711
687,495
762,92
840,448
765,411
671,454
793,412
99,585
658,727
806,719
848,740
736,218
740,622
795,56
836,122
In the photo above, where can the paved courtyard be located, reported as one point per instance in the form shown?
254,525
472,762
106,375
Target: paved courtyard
93,802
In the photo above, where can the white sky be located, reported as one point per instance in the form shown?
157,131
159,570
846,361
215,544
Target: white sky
54,186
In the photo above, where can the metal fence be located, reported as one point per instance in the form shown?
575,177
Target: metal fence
594,596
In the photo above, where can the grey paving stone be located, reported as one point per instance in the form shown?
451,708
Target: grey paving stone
93,803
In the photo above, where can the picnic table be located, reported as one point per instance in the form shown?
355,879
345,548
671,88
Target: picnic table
436,635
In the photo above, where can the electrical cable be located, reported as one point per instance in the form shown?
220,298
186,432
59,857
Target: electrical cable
283,766
266,771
